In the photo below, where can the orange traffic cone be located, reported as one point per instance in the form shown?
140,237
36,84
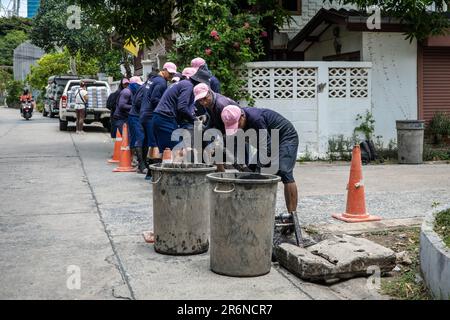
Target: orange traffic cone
356,203
149,236
125,154
117,146
167,156
154,153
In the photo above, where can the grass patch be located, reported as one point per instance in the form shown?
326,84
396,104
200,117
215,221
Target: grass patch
407,283
442,226
405,286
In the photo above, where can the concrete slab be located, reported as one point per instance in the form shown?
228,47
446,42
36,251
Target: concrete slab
338,257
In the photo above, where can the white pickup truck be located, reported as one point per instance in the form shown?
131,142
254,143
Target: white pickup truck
96,111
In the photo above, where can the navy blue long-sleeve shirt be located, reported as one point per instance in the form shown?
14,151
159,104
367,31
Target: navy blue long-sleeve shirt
157,87
214,84
178,102
136,101
270,120
124,105
215,111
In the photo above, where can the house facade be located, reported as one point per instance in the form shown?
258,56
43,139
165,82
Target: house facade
326,67
407,80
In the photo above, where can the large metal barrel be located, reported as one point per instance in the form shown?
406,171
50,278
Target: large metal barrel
410,136
242,223
181,208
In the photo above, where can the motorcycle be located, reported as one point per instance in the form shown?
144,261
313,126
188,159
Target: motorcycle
27,110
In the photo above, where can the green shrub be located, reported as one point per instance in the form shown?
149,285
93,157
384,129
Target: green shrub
439,126
13,91
435,154
367,126
442,226
388,153
340,148
39,106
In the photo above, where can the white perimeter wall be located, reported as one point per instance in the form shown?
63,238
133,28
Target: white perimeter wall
394,79
321,99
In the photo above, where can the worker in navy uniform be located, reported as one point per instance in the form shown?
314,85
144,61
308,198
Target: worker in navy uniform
235,118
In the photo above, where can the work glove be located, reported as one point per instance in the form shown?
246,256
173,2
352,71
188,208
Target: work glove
203,119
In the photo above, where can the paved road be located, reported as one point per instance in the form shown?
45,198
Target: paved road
62,206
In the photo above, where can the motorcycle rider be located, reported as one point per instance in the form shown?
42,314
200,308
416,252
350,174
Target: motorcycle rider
26,97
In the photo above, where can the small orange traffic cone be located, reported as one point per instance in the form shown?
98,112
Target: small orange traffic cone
149,236
117,146
167,156
356,203
154,153
125,154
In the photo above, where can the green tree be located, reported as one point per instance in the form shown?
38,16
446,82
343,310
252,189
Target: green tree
14,23
50,32
5,77
421,22
140,21
110,63
49,65
7,45
58,64
13,32
227,36
14,91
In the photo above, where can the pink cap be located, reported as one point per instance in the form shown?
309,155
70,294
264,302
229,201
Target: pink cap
170,67
125,81
230,117
189,72
136,79
200,91
198,62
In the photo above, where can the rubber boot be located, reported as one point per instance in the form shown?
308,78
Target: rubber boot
149,172
134,162
141,161
145,155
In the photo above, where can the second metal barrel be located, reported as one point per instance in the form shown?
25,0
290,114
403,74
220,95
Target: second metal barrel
242,223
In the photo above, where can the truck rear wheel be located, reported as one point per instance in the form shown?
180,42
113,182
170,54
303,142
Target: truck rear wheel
106,124
63,125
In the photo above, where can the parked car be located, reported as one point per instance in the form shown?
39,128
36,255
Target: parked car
96,111
54,91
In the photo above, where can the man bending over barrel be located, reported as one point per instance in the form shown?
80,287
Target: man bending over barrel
235,118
